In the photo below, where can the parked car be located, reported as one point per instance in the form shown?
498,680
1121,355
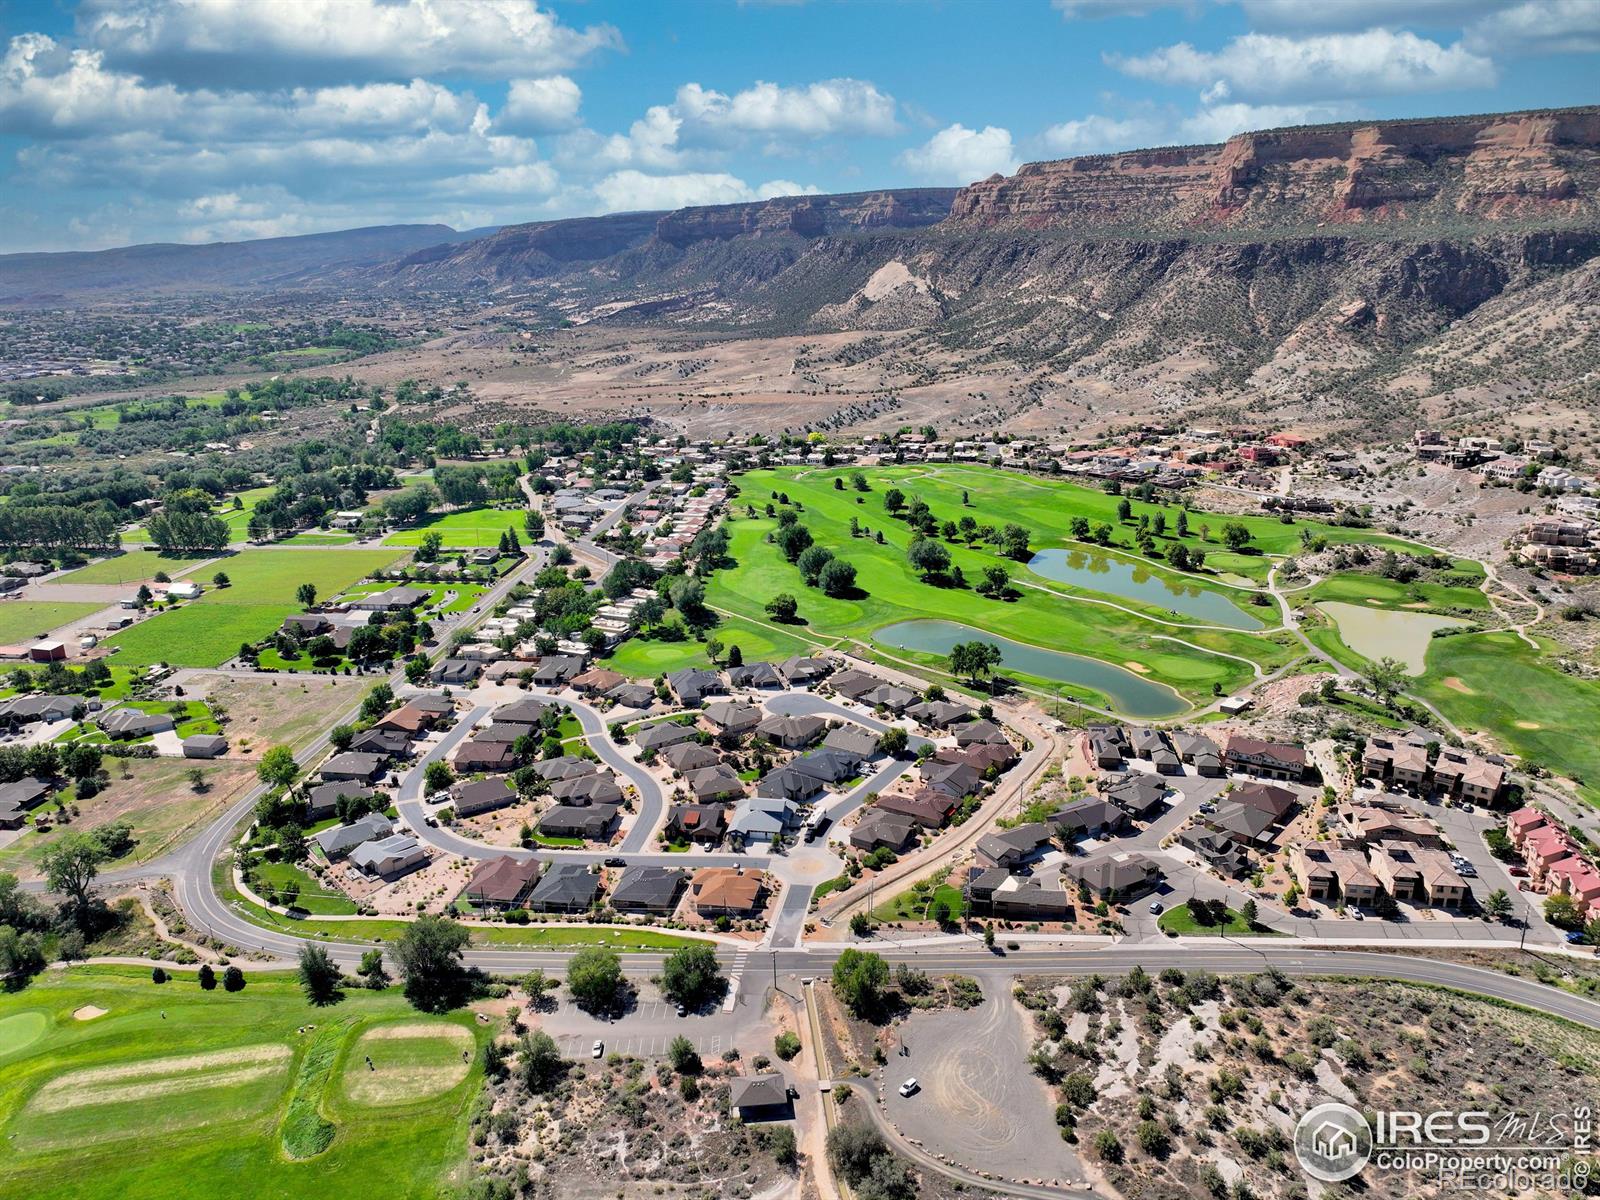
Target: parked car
598,1049
1518,872
910,1087
616,862
1156,906
1575,936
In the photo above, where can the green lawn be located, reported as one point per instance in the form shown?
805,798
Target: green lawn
466,529
218,1091
1179,920
136,566
209,631
912,905
314,898
22,621
1052,615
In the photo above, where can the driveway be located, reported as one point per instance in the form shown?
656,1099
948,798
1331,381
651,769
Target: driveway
979,1105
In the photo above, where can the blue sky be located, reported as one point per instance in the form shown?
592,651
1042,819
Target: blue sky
200,120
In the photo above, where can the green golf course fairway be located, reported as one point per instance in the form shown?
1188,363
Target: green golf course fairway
1132,634
179,1092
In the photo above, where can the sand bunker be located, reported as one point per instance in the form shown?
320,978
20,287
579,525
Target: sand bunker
1455,685
88,1012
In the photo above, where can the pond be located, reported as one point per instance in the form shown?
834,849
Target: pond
1134,581
1387,632
1125,690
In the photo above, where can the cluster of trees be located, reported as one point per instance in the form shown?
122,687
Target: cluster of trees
974,661
55,528
1010,540
187,531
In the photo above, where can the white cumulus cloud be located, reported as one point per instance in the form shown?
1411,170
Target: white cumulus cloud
1270,66
540,105
625,191
1539,27
245,42
960,155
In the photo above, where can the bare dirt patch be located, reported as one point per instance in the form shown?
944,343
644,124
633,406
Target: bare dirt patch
1455,685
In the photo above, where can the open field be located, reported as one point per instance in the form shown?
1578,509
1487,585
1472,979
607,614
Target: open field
1138,639
468,528
642,658
153,795
208,631
174,1088
22,621
135,566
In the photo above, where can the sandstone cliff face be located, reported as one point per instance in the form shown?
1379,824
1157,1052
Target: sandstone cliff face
807,216
1522,165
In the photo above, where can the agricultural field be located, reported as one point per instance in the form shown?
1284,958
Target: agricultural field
22,621
208,631
115,1086
1110,628
136,566
468,529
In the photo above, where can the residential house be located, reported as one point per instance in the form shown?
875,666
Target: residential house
1091,818
204,745
939,714
926,807
803,672
488,756
1269,760
1419,875
121,723
792,733
322,801
1115,876
593,822
597,681
455,672
713,783
1010,848
690,686
502,882
1398,760
663,734
338,840
1136,794
1331,874
390,857
1106,746
642,889
689,756
1217,850
1200,752
705,823
976,732
956,780
597,787
755,675
879,829
632,695
727,891
1471,777
853,740
352,767
853,684
996,892
565,887
482,795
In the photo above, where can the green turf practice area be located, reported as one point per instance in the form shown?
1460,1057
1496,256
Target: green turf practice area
1105,624
468,529
209,631
114,1086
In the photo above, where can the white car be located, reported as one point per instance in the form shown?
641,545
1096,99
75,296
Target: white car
598,1050
1156,906
910,1087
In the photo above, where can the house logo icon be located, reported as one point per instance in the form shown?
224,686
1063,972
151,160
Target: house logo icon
1333,1142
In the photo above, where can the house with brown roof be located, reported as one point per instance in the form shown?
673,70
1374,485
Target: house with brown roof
1398,760
502,882
1418,875
1269,760
697,823
1329,874
727,892
1469,776
926,807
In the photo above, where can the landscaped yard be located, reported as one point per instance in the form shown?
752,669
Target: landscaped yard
314,898
1180,921
468,529
208,631
23,621
179,1092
